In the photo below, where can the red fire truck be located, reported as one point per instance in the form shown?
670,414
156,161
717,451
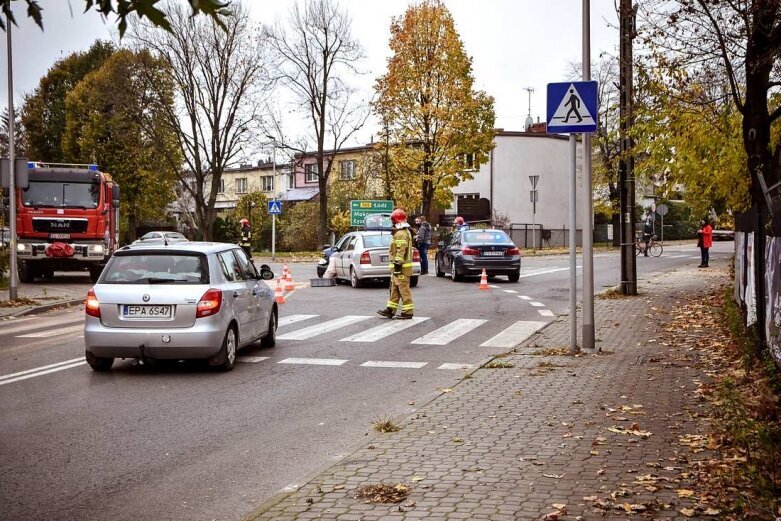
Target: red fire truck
67,219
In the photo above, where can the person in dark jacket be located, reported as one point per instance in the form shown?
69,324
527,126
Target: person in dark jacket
246,237
648,232
423,242
704,242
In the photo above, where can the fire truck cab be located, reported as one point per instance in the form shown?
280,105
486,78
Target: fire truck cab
67,219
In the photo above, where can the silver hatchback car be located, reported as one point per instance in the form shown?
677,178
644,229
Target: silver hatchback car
181,301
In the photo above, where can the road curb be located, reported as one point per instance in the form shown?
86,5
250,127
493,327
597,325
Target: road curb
34,310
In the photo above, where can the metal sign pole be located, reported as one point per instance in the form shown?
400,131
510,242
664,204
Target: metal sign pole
588,250
13,282
573,266
274,216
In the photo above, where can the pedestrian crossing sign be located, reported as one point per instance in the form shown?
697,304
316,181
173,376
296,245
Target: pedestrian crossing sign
572,107
275,207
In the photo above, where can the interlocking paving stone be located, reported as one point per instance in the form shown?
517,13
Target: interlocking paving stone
529,431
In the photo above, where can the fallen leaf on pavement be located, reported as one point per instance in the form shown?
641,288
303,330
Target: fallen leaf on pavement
685,492
554,476
688,512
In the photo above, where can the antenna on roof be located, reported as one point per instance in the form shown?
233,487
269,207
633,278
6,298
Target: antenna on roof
529,120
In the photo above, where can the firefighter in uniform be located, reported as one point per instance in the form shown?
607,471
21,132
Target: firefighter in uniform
401,268
246,237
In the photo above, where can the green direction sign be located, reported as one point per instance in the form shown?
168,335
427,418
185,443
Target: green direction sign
360,209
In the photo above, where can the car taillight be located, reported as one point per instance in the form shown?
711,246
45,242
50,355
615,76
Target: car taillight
92,304
210,303
415,255
469,251
512,251
365,258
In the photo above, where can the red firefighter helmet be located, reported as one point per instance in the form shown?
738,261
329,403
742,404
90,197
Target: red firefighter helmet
398,216
459,221
244,221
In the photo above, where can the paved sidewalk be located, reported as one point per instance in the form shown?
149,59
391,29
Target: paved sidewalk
41,297
599,433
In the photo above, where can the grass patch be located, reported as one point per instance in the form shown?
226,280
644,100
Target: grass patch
384,425
498,364
553,351
613,293
382,493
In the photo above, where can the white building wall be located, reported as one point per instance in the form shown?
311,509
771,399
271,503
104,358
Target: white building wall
516,156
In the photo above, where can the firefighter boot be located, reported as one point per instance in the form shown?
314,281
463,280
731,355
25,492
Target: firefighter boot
404,316
387,312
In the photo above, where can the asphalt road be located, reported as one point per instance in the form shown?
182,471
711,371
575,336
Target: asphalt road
179,441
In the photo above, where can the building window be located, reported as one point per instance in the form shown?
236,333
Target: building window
222,187
311,173
267,183
469,161
241,185
347,170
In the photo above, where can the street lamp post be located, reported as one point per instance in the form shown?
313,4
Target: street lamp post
274,189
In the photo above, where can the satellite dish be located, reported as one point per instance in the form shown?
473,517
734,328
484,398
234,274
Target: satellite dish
528,124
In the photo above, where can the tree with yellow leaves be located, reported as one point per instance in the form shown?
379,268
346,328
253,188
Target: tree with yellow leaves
427,103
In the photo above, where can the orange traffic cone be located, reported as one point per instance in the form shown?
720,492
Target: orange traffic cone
289,284
484,280
284,271
278,296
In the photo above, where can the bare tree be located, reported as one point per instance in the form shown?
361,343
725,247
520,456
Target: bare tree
221,78
313,54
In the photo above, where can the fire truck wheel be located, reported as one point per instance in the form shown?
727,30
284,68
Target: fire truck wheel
26,272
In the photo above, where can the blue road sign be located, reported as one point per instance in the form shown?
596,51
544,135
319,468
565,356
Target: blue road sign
275,207
572,107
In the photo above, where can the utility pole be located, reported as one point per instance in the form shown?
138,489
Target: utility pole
627,163
13,281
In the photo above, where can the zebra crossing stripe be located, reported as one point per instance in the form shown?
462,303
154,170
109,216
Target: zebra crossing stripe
251,359
537,304
396,365
379,332
54,332
324,327
445,335
515,334
292,319
545,312
313,361
464,367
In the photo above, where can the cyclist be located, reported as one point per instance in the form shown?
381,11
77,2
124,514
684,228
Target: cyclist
648,232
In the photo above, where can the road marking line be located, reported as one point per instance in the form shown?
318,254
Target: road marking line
398,365
292,319
325,327
456,366
524,297
28,326
251,359
545,272
12,375
515,334
493,286
450,332
537,304
41,373
545,312
312,361
510,291
376,333
53,332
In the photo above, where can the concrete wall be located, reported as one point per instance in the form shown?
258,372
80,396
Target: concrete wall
518,155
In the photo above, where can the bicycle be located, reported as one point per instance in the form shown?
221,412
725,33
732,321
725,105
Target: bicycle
654,248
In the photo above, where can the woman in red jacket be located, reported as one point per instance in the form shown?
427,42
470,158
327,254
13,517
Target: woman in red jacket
704,242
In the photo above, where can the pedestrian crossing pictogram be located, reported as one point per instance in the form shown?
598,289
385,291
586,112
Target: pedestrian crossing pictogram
572,107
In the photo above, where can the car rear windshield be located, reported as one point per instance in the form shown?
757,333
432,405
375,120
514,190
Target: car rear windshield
151,268
486,237
375,241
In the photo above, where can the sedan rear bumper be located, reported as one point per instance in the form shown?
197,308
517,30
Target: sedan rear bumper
467,265
371,272
203,340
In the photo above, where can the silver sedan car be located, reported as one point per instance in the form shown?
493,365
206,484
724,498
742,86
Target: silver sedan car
186,300
160,237
363,255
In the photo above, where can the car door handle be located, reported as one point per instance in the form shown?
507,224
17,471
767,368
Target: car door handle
235,294
254,292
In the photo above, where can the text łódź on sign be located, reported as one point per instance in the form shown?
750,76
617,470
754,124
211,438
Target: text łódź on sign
572,107
360,209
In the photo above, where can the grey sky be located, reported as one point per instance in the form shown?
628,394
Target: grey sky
514,43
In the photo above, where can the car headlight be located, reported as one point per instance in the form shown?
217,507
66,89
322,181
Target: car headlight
23,247
95,248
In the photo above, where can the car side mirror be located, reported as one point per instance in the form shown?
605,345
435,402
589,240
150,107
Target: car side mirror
266,274
326,246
